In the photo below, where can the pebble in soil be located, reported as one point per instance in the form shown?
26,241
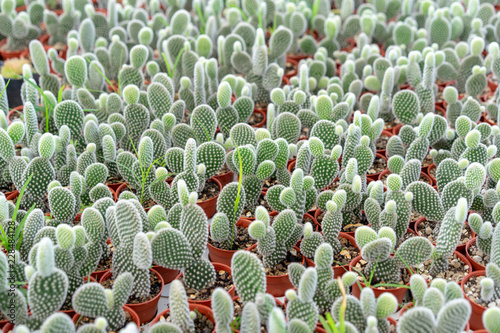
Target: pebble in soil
155,289
478,256
281,268
348,252
222,279
426,229
201,323
260,202
457,270
472,289
256,118
379,165
381,142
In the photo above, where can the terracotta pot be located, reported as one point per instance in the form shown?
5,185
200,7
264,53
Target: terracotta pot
5,54
13,195
298,57
440,110
225,178
10,114
7,328
135,317
221,256
375,176
476,317
429,168
114,187
492,85
146,311
200,308
278,285
399,293
21,8
168,275
208,302
337,270
477,266
395,129
210,205
294,72
263,122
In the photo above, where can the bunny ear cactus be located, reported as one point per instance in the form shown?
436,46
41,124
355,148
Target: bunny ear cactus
188,243
93,223
418,149
133,252
475,151
42,301
483,230
302,306
275,241
92,300
362,313
441,307
137,118
62,204
426,201
223,228
223,308
8,297
449,236
376,249
300,196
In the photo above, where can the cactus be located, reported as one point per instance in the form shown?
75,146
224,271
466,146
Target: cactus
182,248
132,247
368,311
273,242
18,28
441,307
92,300
376,249
223,228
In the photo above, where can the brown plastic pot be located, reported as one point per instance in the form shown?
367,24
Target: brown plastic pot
492,85
168,275
337,270
399,293
263,122
476,317
221,256
5,54
146,311
208,302
10,114
477,266
395,130
135,317
225,178
192,306
278,285
210,205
